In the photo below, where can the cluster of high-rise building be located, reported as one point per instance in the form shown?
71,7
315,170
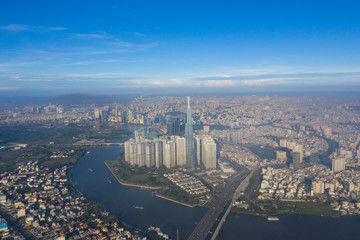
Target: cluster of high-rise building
296,152
235,136
154,152
172,151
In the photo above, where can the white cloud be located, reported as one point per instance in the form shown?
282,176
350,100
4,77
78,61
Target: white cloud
135,46
23,28
87,62
158,83
18,64
100,35
219,83
7,88
138,34
267,81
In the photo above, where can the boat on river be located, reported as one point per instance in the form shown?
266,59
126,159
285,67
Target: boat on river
138,207
273,218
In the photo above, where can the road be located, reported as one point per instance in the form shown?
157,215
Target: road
206,223
241,188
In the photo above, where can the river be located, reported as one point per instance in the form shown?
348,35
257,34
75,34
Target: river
102,186
120,199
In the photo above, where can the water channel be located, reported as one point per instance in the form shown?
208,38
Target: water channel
102,186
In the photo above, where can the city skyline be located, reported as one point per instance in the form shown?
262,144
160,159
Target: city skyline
141,47
259,155
172,150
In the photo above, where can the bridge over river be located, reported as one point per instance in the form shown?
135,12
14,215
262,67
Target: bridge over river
209,219
112,144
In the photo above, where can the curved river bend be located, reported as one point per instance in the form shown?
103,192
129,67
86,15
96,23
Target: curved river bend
102,186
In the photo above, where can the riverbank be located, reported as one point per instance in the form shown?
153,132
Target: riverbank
119,200
278,207
97,207
172,200
146,187
129,184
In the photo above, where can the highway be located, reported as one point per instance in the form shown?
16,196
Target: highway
206,223
241,188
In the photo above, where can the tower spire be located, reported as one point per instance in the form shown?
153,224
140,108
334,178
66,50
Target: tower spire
190,163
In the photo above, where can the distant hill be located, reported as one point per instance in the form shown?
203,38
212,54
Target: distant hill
83,99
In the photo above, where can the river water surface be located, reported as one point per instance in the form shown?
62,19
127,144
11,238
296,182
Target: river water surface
119,200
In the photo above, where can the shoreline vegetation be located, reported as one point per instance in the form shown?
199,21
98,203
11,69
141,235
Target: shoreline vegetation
308,207
315,209
165,191
96,206
250,205
120,181
53,144
129,184
153,180
257,207
172,200
286,208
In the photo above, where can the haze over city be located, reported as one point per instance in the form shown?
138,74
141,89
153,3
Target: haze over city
186,120
114,47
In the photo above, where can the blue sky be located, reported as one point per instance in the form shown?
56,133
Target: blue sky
168,46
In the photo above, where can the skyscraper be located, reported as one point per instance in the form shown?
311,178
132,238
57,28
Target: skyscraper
169,154
297,160
180,151
173,126
197,150
190,159
159,152
150,154
236,137
116,113
208,152
338,164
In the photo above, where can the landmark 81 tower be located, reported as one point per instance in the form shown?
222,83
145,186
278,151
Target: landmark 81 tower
190,159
